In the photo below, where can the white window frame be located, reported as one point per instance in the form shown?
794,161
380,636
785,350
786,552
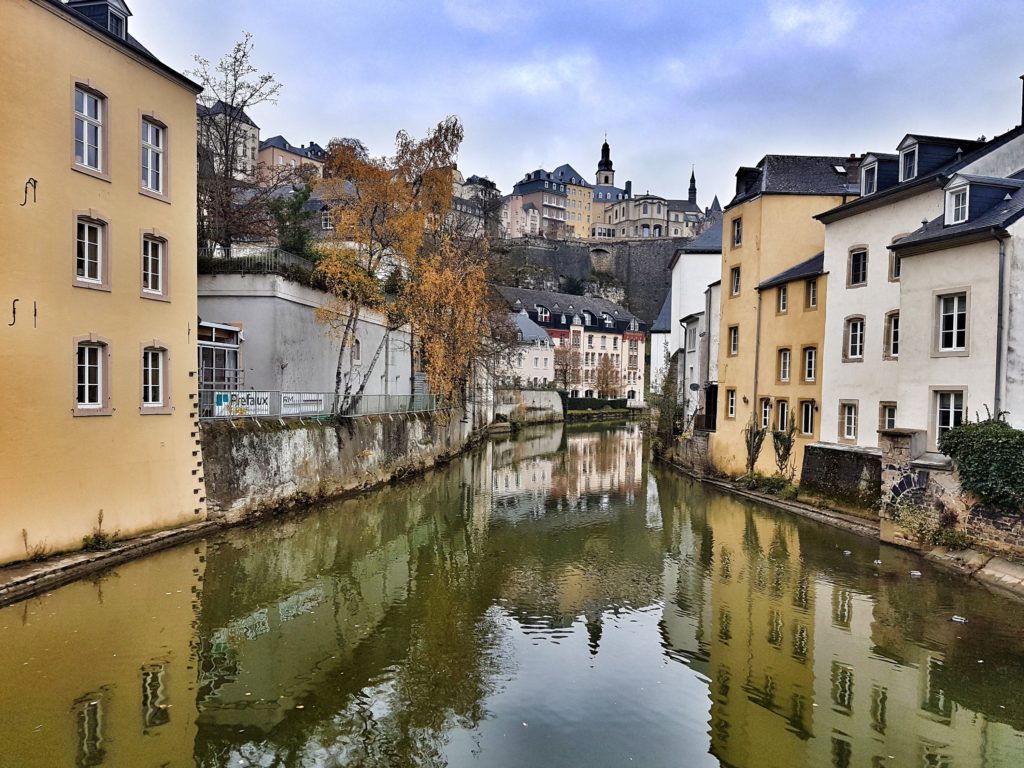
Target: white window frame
86,120
153,253
782,415
730,403
807,417
851,282
946,401
783,300
326,220
734,340
83,248
849,414
737,232
154,377
766,413
869,189
858,323
810,364
543,313
735,281
958,204
153,137
911,153
811,291
959,313
95,355
785,364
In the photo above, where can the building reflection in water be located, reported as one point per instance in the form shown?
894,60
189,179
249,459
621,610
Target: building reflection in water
553,580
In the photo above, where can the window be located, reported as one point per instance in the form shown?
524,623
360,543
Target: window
326,220
811,294
784,361
734,340
590,341
891,342
908,164
853,346
782,415
807,417
153,376
89,255
734,281
887,415
91,377
152,157
356,353
956,205
782,304
895,266
89,138
153,267
870,181
953,323
949,412
857,268
766,413
730,403
543,315
848,421
810,363
737,232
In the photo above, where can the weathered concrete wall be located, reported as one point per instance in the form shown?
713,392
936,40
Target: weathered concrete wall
848,477
638,267
529,406
253,467
691,453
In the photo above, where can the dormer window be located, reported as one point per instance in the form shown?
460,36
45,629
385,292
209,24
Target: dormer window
869,180
956,205
908,163
116,24
543,315
588,319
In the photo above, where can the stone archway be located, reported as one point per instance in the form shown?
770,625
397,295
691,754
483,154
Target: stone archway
602,260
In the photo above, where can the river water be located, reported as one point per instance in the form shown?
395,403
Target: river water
554,600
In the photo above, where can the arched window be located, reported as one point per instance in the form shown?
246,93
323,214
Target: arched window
645,209
92,376
356,353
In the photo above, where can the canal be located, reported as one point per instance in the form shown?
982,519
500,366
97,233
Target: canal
553,600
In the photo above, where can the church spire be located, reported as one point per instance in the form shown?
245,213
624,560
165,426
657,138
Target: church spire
693,186
605,171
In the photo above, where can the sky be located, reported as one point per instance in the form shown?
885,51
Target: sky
675,84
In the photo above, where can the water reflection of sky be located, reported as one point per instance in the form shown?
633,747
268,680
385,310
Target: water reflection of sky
551,599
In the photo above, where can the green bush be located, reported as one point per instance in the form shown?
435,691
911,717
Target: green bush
990,457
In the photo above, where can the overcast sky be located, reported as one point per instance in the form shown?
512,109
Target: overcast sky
674,83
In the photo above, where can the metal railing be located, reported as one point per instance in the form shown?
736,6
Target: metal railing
251,259
275,404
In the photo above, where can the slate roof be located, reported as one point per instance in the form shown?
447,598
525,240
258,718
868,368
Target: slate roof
314,151
813,267
128,42
684,205
935,178
663,322
795,175
708,241
993,221
528,329
529,297
219,108
565,173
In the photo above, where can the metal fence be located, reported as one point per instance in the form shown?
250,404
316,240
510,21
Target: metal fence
247,259
274,404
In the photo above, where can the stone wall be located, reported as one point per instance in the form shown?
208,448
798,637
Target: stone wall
634,273
691,453
254,467
529,406
846,477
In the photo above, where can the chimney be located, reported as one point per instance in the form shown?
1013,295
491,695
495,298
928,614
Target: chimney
629,189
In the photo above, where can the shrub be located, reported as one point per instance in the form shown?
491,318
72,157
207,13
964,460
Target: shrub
990,457
925,527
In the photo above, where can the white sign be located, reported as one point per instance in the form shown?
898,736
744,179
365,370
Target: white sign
241,403
297,403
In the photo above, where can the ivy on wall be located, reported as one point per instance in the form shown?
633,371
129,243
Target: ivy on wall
990,457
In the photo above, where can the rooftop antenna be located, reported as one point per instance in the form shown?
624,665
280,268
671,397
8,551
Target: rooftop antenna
1022,99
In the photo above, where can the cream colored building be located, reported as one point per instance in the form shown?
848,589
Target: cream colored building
98,346
278,153
578,201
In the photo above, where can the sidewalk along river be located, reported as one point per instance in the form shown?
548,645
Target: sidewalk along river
547,600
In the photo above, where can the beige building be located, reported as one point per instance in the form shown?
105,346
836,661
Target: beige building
278,153
98,347
519,217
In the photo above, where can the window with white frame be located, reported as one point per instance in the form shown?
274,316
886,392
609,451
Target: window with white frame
887,415
956,205
807,417
869,183
782,415
691,338
89,109
857,273
326,220
892,335
734,340
784,364
766,413
811,294
854,347
730,403
783,299
949,412
953,322
737,232
89,254
908,164
734,281
543,314
848,421
152,156
89,375
810,363
153,374
152,265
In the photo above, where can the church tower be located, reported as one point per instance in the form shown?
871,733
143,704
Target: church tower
693,188
605,172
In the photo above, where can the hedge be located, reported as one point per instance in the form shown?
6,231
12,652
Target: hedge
990,457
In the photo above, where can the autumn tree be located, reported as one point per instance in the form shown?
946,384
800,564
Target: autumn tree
234,192
568,368
607,378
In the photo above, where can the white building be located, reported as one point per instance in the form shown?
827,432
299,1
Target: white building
872,342
531,362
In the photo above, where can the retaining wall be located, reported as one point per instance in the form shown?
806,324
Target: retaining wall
530,406
850,478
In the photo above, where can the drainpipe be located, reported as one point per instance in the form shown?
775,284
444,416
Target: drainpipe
757,357
997,399
685,390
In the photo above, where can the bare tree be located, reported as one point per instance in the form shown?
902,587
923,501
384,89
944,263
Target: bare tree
568,368
608,382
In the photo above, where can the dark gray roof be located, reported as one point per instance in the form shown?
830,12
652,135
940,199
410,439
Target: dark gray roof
882,156
708,241
528,298
528,329
795,175
565,173
933,179
813,267
945,141
663,322
684,205
314,151
128,42
716,207
993,221
219,108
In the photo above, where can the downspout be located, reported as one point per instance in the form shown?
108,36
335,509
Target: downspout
757,358
683,382
997,399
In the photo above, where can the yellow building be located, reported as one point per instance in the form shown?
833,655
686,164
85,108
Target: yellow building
579,198
98,344
773,303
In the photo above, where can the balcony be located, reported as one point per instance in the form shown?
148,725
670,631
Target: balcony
254,259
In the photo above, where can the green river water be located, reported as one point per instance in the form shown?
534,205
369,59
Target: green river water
552,600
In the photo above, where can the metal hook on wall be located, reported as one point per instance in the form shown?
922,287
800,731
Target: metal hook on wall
30,183
14,312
